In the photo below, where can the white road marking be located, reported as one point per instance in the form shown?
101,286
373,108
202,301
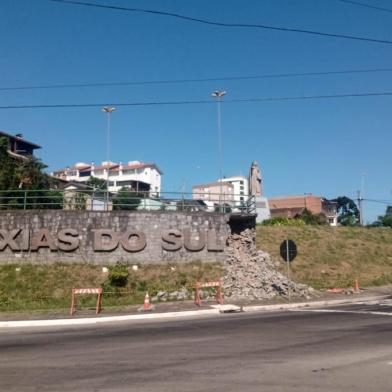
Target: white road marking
342,311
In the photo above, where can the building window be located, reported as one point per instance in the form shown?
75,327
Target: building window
129,171
85,174
125,183
242,182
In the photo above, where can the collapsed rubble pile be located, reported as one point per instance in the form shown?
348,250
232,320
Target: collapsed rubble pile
252,274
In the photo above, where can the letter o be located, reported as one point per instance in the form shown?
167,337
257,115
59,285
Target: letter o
139,241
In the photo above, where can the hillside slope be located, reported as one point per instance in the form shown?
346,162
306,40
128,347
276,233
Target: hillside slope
333,256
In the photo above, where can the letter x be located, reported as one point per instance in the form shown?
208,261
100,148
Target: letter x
7,239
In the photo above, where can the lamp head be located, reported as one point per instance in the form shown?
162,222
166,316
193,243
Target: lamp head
218,94
108,109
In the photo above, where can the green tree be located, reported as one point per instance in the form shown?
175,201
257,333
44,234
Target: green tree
98,187
384,220
25,174
348,212
126,199
96,183
8,179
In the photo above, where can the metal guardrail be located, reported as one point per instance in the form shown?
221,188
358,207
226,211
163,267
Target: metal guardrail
102,200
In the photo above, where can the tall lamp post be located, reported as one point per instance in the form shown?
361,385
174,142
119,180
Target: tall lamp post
218,97
108,110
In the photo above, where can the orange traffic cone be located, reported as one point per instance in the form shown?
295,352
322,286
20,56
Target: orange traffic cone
147,305
356,286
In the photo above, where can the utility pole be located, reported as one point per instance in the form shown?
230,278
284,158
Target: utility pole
359,199
108,111
218,95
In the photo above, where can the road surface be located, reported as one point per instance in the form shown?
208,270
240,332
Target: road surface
335,349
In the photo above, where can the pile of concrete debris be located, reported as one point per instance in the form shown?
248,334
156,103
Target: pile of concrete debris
253,275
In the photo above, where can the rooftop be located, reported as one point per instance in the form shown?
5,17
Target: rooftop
217,183
19,138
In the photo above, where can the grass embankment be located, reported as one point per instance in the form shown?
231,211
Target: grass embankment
27,287
327,257
333,256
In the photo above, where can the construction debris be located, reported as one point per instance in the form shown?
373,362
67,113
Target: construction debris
253,275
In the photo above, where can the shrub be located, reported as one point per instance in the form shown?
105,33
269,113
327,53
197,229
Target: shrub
118,275
283,222
127,199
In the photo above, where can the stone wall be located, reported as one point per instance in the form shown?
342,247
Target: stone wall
109,237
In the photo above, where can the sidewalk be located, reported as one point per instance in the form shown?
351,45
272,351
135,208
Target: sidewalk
166,310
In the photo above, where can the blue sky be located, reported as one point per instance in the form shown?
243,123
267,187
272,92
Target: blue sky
318,146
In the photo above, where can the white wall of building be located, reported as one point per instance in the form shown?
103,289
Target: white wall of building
117,174
241,188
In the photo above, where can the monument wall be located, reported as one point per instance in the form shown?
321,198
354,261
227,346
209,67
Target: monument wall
109,237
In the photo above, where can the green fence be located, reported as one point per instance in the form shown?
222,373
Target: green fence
101,200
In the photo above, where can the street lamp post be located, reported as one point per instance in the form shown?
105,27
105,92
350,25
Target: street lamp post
108,110
218,96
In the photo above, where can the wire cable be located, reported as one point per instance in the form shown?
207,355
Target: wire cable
201,102
222,24
366,5
196,80
379,201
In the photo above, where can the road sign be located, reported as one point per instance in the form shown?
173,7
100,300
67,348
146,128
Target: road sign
288,250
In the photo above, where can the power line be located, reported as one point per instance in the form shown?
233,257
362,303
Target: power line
196,80
379,201
366,5
201,102
222,24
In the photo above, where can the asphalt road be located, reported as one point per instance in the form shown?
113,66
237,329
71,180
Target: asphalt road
343,349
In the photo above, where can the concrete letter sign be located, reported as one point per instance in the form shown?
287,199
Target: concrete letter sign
68,240
133,241
105,240
195,244
171,240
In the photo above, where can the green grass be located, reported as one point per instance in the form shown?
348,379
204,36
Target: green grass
327,257
41,287
333,256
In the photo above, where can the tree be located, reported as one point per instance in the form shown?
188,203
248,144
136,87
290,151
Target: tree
384,220
98,186
348,212
96,183
126,199
25,174
8,178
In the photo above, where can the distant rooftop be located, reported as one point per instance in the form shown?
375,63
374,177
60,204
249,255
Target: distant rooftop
85,167
217,183
19,138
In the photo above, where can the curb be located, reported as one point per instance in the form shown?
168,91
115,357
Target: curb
183,314
258,308
109,319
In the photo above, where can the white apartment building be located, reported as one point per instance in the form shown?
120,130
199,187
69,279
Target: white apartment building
240,188
135,174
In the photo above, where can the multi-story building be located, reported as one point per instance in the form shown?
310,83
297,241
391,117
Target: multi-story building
290,206
136,175
18,147
240,188
230,190
215,192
